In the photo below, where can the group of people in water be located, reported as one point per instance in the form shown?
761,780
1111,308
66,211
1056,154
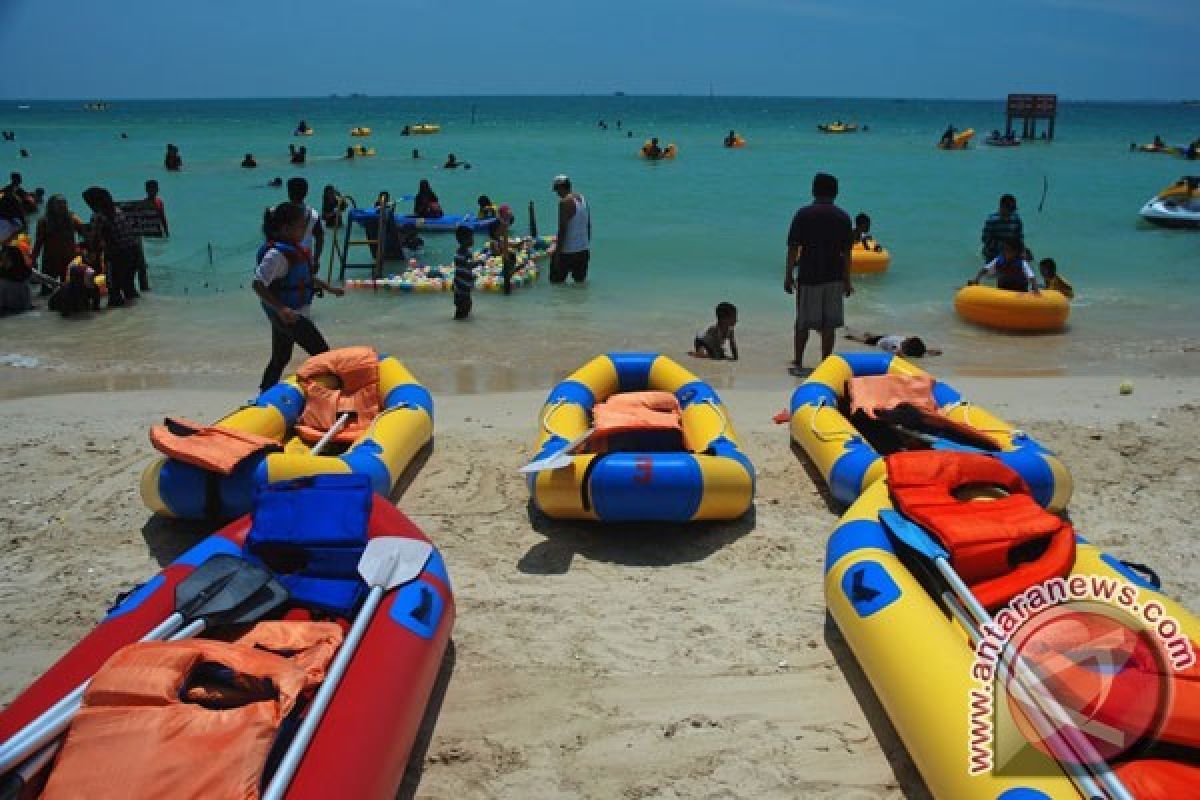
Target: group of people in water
1008,260
74,263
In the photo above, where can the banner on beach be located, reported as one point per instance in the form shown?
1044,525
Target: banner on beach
143,217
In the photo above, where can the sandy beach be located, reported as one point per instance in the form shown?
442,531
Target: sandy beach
634,662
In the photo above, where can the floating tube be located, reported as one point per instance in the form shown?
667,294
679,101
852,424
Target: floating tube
849,464
403,427
360,131
362,151
712,480
864,261
443,224
738,141
837,127
424,128
667,152
1007,310
919,660
1161,149
959,142
363,743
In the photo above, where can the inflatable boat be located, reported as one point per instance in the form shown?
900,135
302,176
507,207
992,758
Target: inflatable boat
866,260
837,127
447,223
961,140
360,131
636,437
157,719
1007,310
1002,141
668,151
366,411
1160,149
849,460
1173,213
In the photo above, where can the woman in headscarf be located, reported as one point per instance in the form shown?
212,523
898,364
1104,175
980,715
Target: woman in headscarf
426,203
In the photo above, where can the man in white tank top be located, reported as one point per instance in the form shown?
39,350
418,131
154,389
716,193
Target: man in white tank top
314,232
573,251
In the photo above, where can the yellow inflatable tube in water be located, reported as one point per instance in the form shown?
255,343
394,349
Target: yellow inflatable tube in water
919,659
403,426
711,480
864,261
1006,310
849,464
667,152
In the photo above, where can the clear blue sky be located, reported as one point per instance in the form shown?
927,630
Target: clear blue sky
1081,49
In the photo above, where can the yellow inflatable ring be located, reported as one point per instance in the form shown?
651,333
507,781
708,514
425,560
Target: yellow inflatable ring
1013,311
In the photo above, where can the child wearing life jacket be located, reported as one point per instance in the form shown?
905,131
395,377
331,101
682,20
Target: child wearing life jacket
711,343
1053,280
286,282
79,291
1012,272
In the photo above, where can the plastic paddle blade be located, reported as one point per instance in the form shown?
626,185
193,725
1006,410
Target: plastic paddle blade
912,535
390,561
219,585
563,457
258,606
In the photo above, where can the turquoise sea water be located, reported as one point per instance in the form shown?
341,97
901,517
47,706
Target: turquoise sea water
671,238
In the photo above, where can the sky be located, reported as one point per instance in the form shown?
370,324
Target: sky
1080,49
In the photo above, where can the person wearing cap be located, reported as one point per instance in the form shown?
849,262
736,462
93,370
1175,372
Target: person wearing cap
818,267
573,249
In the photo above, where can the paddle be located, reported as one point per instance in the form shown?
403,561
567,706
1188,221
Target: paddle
329,434
563,457
1037,703
224,589
387,562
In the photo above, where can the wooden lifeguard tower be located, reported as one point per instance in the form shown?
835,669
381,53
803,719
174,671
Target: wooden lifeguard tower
1029,108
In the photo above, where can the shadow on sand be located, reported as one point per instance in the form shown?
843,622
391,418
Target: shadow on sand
632,544
907,777
420,749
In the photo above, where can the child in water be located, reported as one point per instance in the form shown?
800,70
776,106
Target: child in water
79,292
1053,280
897,344
711,344
464,272
862,233
1012,272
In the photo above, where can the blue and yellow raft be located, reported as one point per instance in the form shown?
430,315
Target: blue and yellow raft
404,425
849,464
712,480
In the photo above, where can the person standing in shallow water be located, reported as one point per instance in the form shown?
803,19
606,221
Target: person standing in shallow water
1003,226
572,252
818,268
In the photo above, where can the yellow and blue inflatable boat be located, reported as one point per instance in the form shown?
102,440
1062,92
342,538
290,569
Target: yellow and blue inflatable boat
848,462
402,426
712,479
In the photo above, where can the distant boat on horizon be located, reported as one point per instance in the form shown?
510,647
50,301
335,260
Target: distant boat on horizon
618,94
22,108
97,106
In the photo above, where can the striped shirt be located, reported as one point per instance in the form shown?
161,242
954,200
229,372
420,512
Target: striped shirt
997,230
464,272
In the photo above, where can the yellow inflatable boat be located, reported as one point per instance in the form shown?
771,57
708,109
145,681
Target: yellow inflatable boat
961,140
276,421
360,131
648,477
1007,310
423,128
864,260
849,462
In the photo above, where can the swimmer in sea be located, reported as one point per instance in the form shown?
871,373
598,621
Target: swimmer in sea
248,162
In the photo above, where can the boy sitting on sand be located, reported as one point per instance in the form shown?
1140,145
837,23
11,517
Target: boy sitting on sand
711,344
1053,280
897,344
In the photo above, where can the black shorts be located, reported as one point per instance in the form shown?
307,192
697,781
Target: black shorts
462,305
574,263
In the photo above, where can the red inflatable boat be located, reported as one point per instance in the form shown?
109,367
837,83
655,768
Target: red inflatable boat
362,743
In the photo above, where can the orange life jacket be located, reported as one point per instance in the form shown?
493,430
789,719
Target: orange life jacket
189,719
1159,779
633,420
337,382
209,447
1080,687
872,393
1000,547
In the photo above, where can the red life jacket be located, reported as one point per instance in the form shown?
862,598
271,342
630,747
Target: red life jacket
1000,547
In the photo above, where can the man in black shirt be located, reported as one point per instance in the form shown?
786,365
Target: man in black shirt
818,267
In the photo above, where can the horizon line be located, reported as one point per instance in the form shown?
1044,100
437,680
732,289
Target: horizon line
611,94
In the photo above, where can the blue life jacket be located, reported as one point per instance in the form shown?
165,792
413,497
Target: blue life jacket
295,289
